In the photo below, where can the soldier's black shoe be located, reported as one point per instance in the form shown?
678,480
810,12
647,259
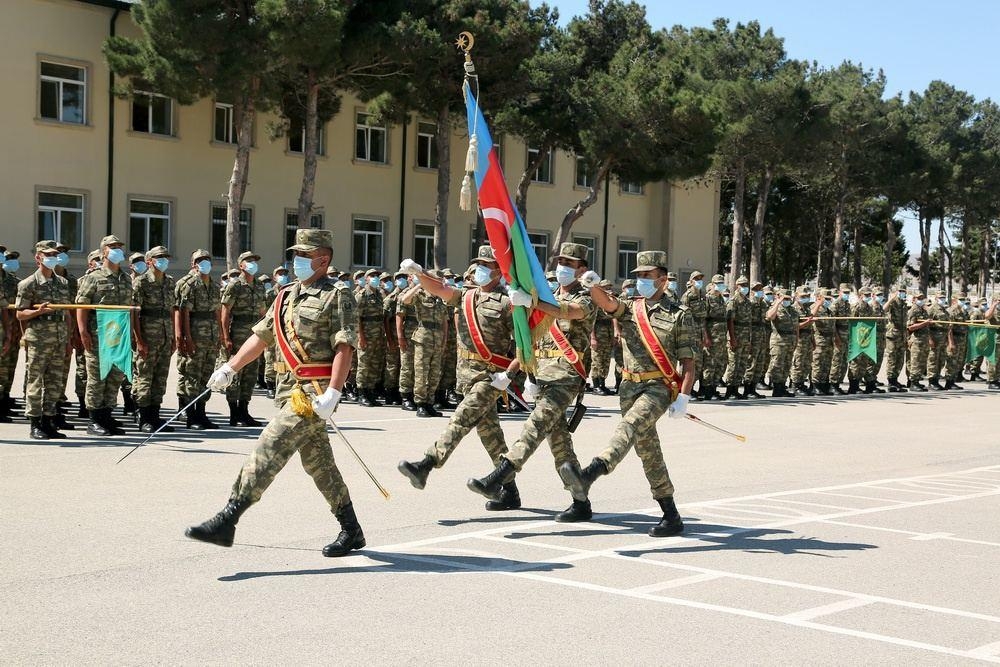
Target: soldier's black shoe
936,384
59,421
579,511
441,401
853,386
37,432
714,395
270,387
510,499
779,391
417,472
235,417
603,390
158,421
366,398
351,536
221,528
916,386
491,485
823,389
732,392
579,481
837,389
750,390
206,423
129,406
671,523
245,410
49,428
993,385
95,427
422,410
146,423
110,423
873,388
5,417
191,415
408,403
431,412
453,397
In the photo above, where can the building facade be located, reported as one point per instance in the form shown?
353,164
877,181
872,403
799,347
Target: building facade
80,163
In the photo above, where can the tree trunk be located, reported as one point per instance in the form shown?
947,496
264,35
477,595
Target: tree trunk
521,194
925,248
856,256
889,255
310,149
944,258
757,244
822,268
578,209
443,188
964,278
985,242
245,111
739,223
837,258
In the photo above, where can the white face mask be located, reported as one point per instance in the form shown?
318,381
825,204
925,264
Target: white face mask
565,275
482,275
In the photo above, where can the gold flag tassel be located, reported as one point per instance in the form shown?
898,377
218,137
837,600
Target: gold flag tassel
301,405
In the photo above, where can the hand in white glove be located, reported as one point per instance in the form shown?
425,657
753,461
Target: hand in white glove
326,404
530,391
679,407
520,297
589,279
411,267
221,378
500,381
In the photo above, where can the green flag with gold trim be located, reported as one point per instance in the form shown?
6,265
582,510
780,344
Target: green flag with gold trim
862,340
114,341
982,343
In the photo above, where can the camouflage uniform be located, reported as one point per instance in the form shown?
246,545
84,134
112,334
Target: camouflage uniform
878,308
393,363
198,298
449,363
247,302
739,313
602,341
371,359
760,343
960,338
697,304
427,343
895,340
784,334
8,359
155,297
802,357
841,308
106,287
715,320
824,333
269,351
406,313
862,368
938,353
81,379
918,344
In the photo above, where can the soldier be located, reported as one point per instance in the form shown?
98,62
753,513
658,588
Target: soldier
485,366
992,316
75,346
108,285
976,313
153,328
390,377
627,293
318,316
562,356
46,336
406,325
654,324
696,303
895,338
7,323
671,289
878,306
957,341
938,342
760,339
862,367
280,279
197,327
601,343
427,342
371,339
446,396
784,321
917,327
715,326
802,357
12,343
739,322
841,308
243,304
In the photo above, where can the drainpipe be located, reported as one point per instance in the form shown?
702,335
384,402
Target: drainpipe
402,189
607,206
111,131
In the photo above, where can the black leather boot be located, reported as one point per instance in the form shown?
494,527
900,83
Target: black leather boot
491,485
270,387
159,421
578,511
408,403
83,412
422,410
510,499
779,391
129,406
579,481
51,430
916,386
601,388
5,416
395,398
935,383
731,393
351,536
366,398
191,415
873,388
750,390
808,390
671,523
417,472
113,426
244,407
37,432
235,418
59,421
853,386
207,423
221,528
146,419
453,396
837,389
96,426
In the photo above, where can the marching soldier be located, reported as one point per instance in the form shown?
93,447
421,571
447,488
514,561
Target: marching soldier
784,321
427,343
739,320
938,341
313,323
655,331
153,328
371,339
46,336
802,357
243,303
672,287
841,308
976,313
760,337
957,342
715,326
601,342
562,356
7,322
197,327
696,303
919,335
824,333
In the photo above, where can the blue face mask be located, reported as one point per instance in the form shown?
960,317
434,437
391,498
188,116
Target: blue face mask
416,280
672,285
450,282
63,259
565,275
482,275
12,265
845,297
553,285
769,298
302,266
699,283
630,292
459,283
759,294
204,267
139,267
50,262
283,279
881,300
116,255
251,268
646,287
401,283
918,303
787,303
373,281
161,263
803,300
720,287
387,286
744,291
902,296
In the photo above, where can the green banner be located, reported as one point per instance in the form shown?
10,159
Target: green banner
982,343
114,341
862,340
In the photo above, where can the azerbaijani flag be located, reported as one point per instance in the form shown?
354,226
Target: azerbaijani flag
508,236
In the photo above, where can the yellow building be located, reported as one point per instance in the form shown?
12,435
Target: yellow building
78,164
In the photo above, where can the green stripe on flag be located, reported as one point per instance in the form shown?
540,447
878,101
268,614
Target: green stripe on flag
114,341
982,343
862,340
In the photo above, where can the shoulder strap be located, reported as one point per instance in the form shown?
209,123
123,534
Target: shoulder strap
653,346
572,356
468,305
300,369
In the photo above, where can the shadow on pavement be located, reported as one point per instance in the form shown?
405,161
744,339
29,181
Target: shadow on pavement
499,518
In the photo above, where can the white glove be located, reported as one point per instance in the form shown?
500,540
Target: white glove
589,279
500,381
411,267
679,407
530,391
520,297
221,378
326,404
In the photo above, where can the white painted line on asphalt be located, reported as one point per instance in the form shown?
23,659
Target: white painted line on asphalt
675,583
940,536
827,609
802,502
930,536
854,495
987,651
921,492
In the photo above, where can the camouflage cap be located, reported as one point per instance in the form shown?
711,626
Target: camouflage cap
628,282
385,275
919,295
448,273
279,269
372,271
697,274
158,251
576,251
485,255
650,260
249,256
770,290
13,254
606,284
233,273
308,239
43,247
357,274
757,284
333,271
111,240
62,247
399,274
136,257
671,275
877,291
803,290
718,278
342,274
742,280
865,291
94,255
550,275
844,287
200,254
264,278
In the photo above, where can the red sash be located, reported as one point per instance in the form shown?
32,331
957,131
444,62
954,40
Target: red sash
468,305
298,368
572,356
653,346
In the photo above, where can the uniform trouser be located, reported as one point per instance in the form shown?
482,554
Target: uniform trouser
284,435
406,370
150,379
822,360
371,360
547,420
390,375
838,367
879,350
426,366
44,375
895,356
861,369
80,377
759,355
956,359
619,356
8,364
269,373
936,356
642,404
918,359
352,376
715,356
739,358
101,393
449,364
600,360
991,372
193,371
65,375
802,359
478,410
782,349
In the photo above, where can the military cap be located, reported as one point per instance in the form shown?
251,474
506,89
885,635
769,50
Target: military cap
718,278
550,275
803,290
233,273
697,274
62,247
828,292
844,287
649,260
93,255
372,271
877,291
865,291
385,275
628,282
279,269
158,251
343,274
448,273
45,246
199,254
110,240
960,295
576,251
333,271
136,257
248,256
399,274
358,274
14,254
309,239
769,290
264,278
607,284
757,284
742,280
485,255
919,295
671,275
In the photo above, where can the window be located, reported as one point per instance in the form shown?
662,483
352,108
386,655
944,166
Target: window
498,145
369,140
628,251
292,223
225,124
297,138
540,242
60,217
152,114
584,179
591,243
423,244
544,172
63,93
367,246
149,224
427,151
631,188
219,230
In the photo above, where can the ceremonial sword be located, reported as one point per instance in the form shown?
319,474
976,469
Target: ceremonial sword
165,424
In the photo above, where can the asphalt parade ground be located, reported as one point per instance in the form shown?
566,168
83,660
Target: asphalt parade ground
856,530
